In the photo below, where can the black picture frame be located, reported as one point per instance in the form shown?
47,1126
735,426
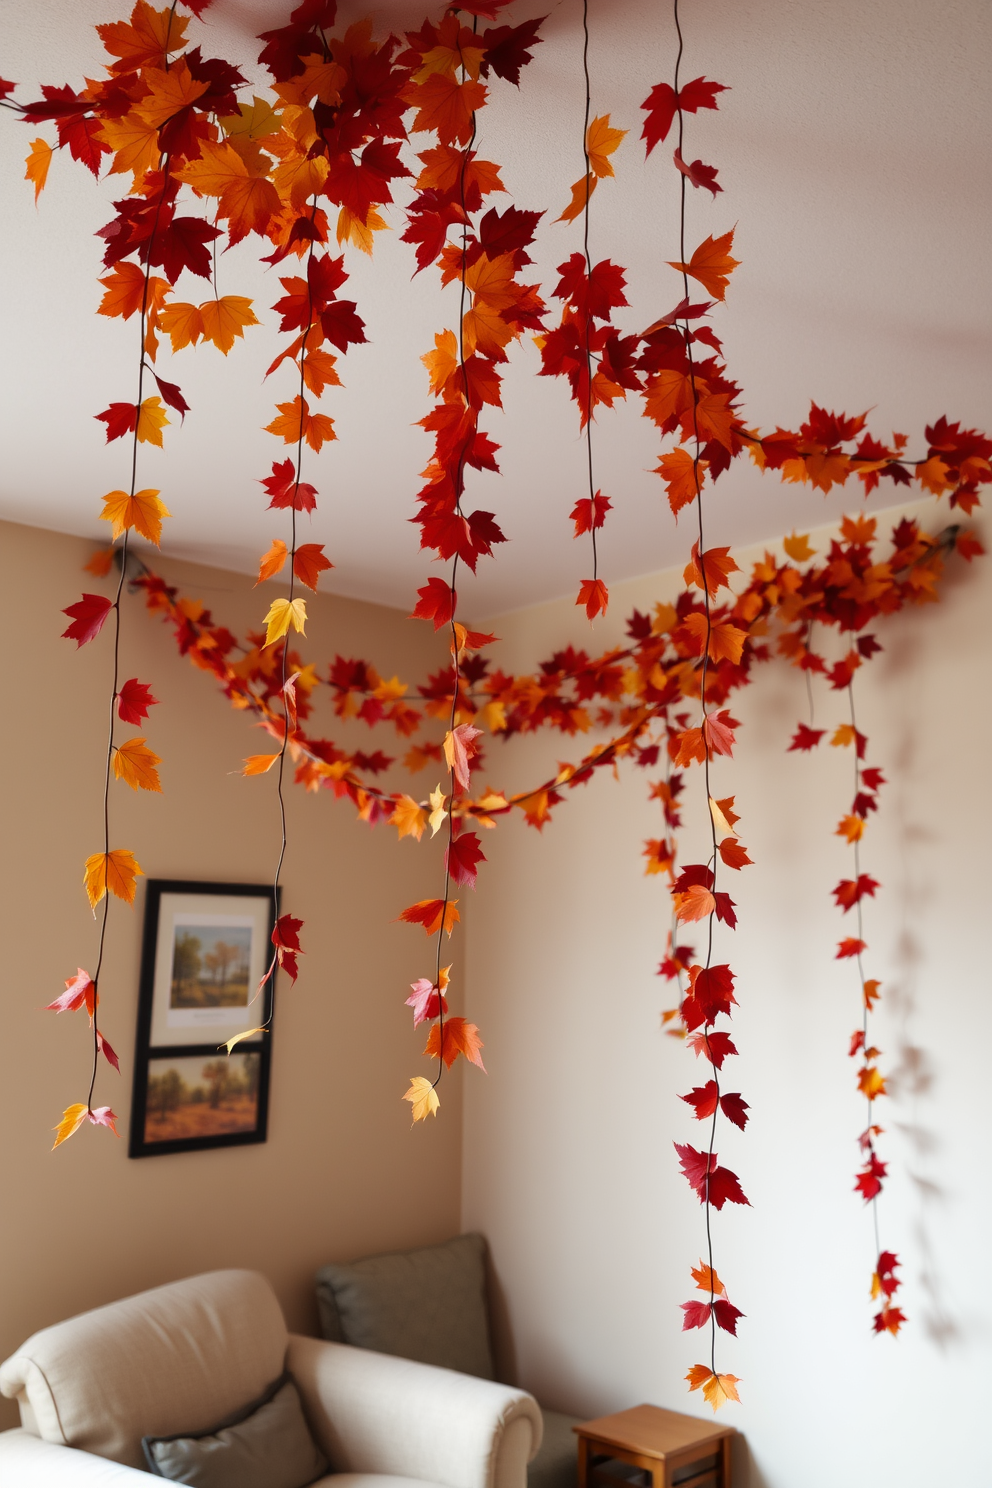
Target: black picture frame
228,1107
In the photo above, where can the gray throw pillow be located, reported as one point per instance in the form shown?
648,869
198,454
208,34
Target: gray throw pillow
425,1304
266,1445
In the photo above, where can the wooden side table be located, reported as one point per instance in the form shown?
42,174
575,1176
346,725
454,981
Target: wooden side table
666,1449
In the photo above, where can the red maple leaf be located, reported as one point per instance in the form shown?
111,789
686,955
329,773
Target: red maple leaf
87,615
850,947
286,939
711,993
725,1312
134,700
806,738
285,490
698,174
462,857
715,1044
734,1108
437,602
663,103
594,594
850,890
869,1181
589,512
120,419
702,1098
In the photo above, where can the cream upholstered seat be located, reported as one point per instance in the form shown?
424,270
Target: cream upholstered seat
184,1356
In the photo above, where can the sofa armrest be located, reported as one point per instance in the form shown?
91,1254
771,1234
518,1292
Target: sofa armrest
375,1413
28,1462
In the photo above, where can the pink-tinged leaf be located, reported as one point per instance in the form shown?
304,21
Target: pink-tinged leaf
697,1314
460,748
718,731
106,1050
426,1001
79,992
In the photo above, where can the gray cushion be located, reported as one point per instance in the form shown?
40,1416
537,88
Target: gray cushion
557,1462
425,1304
267,1445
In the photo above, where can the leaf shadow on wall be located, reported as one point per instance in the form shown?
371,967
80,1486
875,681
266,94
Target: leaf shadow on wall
913,1082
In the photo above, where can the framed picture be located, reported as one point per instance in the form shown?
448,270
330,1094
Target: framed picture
206,947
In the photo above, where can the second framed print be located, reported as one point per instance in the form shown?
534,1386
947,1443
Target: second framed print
206,949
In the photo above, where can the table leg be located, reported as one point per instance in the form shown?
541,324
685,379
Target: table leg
583,1474
659,1476
725,1462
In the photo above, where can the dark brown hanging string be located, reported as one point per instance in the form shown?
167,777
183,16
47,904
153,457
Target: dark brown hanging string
455,670
703,677
122,558
585,249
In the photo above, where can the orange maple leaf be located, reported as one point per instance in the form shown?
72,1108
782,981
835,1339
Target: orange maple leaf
707,1280
74,1116
135,764
711,264
594,594
309,563
295,418
428,912
717,1388
459,1037
37,164
117,870
248,201
693,903
445,106
148,40
712,573
679,471
272,561
125,290
143,511
226,318
257,764
601,141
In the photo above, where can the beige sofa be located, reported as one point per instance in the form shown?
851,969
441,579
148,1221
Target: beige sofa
182,1357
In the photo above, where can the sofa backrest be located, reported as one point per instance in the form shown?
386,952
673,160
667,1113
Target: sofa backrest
176,1359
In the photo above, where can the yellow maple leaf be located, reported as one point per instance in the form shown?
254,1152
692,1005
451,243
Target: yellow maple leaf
438,812
442,361
37,164
236,1038
601,141
151,421
409,818
253,120
72,1120
422,1097
798,547
135,764
116,870
282,614
143,511
226,318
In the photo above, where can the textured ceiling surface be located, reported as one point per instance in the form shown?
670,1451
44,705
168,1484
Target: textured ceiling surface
854,151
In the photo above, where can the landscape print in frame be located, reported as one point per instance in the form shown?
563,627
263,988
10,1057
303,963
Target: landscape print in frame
206,949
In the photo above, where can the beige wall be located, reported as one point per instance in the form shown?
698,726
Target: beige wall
342,1173
568,1161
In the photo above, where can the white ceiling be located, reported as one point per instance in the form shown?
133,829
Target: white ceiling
854,151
